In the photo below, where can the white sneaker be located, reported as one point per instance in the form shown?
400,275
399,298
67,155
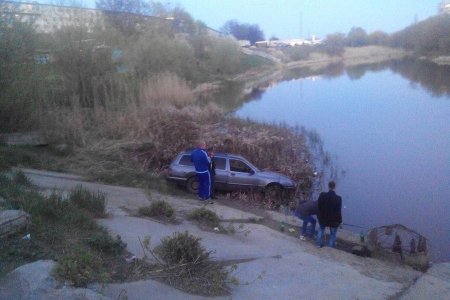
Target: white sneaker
302,238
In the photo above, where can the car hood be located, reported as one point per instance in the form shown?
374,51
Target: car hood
274,175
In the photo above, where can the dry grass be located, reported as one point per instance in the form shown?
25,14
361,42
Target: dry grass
143,126
166,88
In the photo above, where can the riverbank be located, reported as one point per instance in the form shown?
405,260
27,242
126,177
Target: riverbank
267,263
351,57
317,61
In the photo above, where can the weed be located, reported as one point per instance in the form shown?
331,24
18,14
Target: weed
80,267
4,166
95,203
241,229
158,208
63,232
182,248
104,243
205,217
187,266
21,179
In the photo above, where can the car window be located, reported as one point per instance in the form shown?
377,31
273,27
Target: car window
186,160
239,166
220,163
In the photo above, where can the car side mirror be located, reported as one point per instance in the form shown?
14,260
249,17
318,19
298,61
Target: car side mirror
252,172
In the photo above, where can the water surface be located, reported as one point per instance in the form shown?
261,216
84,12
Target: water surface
388,130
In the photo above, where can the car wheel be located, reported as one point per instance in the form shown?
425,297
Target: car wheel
192,185
274,195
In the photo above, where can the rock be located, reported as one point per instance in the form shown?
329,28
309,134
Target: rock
12,221
434,284
361,251
34,282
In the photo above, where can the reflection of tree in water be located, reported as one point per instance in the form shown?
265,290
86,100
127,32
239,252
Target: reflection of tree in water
325,166
329,71
432,77
358,71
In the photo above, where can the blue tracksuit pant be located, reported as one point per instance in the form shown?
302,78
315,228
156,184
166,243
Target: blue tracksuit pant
204,185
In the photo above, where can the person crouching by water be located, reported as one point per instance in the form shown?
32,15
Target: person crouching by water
212,172
329,214
305,211
201,162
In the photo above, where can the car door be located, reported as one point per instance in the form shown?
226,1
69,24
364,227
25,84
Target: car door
241,175
220,180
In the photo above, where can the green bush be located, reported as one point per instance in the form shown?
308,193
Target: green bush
21,179
205,217
4,166
104,243
94,203
80,267
182,248
158,208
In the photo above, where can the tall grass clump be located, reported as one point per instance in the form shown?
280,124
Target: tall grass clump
158,208
166,88
205,217
189,266
21,179
94,203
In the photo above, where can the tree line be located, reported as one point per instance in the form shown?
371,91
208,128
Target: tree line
106,64
428,37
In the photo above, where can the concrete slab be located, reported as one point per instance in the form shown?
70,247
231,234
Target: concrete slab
147,289
300,276
290,269
434,284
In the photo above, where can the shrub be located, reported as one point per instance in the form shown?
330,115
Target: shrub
158,208
205,217
189,267
106,244
80,267
182,248
21,179
95,203
4,166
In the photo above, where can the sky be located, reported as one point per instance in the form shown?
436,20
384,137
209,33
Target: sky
304,18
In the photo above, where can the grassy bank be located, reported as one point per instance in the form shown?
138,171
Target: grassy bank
63,230
118,107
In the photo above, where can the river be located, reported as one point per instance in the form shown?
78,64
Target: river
387,128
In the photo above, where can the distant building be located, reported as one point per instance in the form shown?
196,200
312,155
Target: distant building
444,7
244,43
47,18
288,43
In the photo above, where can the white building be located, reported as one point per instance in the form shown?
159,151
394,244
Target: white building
444,7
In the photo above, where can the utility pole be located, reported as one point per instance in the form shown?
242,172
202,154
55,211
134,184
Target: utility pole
301,25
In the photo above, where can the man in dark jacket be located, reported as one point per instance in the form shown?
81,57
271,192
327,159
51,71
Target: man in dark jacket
329,214
202,162
305,211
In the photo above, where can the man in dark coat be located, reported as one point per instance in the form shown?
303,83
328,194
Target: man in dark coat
329,214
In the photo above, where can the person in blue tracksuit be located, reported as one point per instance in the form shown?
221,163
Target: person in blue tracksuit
202,162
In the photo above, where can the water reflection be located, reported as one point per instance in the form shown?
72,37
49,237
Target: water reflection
433,78
391,139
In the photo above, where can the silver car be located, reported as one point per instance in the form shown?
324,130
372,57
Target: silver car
233,173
